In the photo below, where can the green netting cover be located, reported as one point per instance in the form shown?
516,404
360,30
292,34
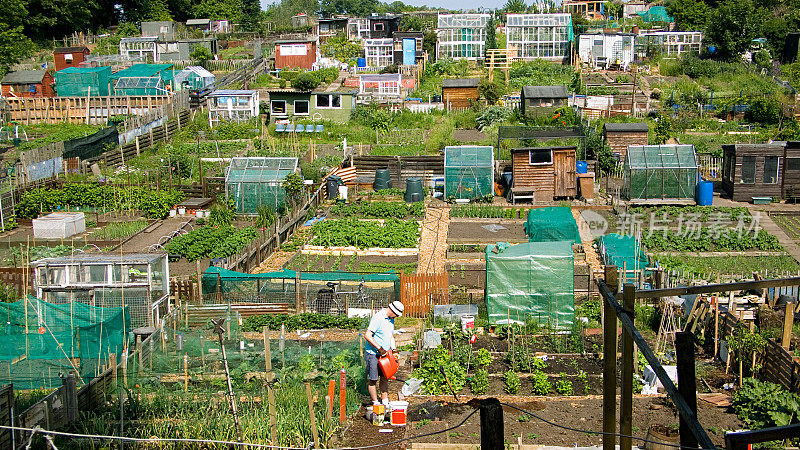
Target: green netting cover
163,71
57,337
253,182
531,282
92,145
83,81
554,223
622,251
660,172
468,172
656,14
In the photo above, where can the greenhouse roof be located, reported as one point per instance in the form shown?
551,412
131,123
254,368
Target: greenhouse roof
260,169
232,93
82,258
469,156
199,70
670,156
153,83
146,70
545,92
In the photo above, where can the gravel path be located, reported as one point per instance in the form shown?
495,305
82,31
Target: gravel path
433,240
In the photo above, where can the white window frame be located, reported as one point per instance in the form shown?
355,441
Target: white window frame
68,58
308,107
530,158
776,173
378,26
272,109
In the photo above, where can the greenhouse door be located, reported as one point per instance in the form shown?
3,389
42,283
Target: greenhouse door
564,167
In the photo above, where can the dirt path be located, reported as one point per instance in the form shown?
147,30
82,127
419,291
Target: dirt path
274,262
774,229
433,240
154,234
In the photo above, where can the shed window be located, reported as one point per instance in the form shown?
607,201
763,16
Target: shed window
329,101
771,169
278,106
378,26
301,107
792,163
748,169
68,57
541,157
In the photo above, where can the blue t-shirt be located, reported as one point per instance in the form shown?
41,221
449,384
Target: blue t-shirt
382,328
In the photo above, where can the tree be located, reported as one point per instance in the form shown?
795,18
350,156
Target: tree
515,7
492,91
220,10
340,48
412,23
491,33
735,25
613,10
200,55
689,14
429,39
13,44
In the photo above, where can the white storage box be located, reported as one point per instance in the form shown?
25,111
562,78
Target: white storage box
59,225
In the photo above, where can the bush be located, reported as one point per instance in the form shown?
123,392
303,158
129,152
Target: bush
541,385
563,385
303,321
306,81
492,115
764,111
492,91
762,404
479,383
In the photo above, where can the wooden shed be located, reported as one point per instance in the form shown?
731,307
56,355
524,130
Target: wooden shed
790,179
64,57
295,54
27,83
757,170
620,135
460,92
536,101
543,173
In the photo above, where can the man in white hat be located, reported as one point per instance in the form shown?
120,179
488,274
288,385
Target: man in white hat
380,341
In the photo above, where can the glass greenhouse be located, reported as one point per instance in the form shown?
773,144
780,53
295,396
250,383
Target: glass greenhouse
468,172
253,182
660,172
193,78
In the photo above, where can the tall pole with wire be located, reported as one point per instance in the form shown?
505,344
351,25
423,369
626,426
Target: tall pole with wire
218,328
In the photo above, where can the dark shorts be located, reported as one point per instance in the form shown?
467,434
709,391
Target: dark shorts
372,366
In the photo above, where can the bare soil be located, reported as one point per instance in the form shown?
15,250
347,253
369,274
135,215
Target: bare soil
483,232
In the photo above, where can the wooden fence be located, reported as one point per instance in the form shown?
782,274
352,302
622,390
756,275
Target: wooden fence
401,168
419,292
91,110
710,166
145,141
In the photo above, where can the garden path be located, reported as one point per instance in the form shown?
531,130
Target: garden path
433,240
274,262
772,228
592,258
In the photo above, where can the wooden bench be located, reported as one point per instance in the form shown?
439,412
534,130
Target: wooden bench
521,193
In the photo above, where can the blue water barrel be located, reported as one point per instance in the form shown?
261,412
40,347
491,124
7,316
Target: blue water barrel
705,193
361,62
581,167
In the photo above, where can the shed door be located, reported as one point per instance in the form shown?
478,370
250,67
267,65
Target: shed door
564,167
409,51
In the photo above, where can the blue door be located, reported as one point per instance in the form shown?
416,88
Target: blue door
409,51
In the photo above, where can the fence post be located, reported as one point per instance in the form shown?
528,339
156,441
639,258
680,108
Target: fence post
492,424
626,395
684,350
609,363
788,320
71,391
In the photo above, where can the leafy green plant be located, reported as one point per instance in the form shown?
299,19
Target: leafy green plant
541,385
563,385
438,367
379,210
222,212
365,234
511,382
522,359
479,383
118,230
483,358
761,404
153,204
302,321
211,242
583,377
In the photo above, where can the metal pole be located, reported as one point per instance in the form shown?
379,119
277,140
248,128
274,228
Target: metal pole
220,331
687,387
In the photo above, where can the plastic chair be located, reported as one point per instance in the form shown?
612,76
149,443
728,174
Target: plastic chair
290,128
299,129
310,128
280,128
320,128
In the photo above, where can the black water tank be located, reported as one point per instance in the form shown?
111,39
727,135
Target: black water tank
332,186
383,179
414,190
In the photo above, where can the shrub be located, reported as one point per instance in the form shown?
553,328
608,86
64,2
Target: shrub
563,385
492,91
762,404
492,115
483,358
306,81
765,111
